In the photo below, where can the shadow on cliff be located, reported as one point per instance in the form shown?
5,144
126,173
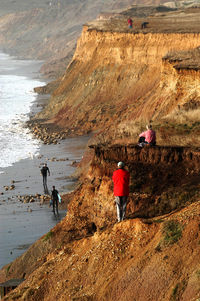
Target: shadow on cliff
163,179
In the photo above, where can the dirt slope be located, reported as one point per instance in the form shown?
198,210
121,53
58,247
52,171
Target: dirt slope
90,257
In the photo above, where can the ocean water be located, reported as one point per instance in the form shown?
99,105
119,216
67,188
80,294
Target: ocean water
16,97
22,224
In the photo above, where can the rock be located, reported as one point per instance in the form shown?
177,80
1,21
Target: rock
74,163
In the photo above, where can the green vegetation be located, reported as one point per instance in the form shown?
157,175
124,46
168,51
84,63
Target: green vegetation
8,268
172,231
198,274
174,293
48,236
158,221
178,290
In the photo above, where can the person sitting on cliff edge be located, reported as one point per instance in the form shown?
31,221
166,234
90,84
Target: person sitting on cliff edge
147,137
121,179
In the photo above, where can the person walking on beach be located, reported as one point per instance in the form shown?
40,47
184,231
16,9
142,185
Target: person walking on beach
54,195
121,179
44,171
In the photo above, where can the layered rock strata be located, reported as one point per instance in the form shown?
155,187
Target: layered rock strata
86,251
116,80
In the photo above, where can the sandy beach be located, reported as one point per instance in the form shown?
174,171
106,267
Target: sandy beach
22,223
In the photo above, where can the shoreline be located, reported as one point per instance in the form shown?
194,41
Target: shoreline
22,222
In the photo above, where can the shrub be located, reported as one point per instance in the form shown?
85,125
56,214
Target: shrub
8,268
174,292
48,236
172,231
198,274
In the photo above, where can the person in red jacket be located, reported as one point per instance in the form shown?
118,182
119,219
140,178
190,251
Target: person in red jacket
121,190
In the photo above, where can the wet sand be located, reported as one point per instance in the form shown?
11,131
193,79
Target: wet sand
21,224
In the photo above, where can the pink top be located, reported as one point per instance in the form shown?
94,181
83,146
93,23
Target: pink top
150,136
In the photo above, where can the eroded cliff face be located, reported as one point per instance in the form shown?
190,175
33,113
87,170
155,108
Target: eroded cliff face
48,30
89,256
117,79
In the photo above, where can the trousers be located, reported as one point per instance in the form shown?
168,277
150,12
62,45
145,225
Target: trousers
121,202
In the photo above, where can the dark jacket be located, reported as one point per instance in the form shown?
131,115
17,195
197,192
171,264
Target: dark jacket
54,194
44,170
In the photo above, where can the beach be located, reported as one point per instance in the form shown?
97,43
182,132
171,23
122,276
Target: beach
21,222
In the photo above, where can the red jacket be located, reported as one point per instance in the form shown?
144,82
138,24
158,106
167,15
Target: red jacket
121,182
130,21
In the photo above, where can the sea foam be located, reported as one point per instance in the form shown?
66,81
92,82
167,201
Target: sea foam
16,99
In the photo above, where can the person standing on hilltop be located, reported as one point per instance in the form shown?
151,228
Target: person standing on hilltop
44,171
121,179
130,23
148,137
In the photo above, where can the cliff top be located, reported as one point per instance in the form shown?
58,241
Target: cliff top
161,19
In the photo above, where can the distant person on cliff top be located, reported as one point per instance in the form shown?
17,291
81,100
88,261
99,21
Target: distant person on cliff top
44,171
144,25
130,23
121,189
147,137
55,198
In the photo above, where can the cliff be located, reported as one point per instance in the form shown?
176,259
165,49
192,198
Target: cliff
152,255
48,30
120,79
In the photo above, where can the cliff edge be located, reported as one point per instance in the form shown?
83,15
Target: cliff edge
152,255
120,79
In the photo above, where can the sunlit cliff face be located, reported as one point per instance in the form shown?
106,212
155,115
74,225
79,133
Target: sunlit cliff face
117,79
89,256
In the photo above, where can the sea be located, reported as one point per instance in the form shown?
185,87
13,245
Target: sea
21,158
16,98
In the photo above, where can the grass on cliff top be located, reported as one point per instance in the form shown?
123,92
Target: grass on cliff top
178,133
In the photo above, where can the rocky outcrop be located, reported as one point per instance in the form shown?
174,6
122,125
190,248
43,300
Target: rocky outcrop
87,256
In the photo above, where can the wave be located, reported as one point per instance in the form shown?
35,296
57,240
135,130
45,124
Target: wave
16,99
